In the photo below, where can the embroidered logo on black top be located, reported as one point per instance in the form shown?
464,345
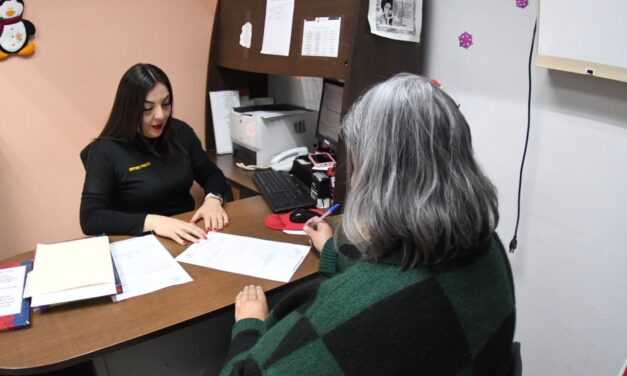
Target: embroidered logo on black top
135,168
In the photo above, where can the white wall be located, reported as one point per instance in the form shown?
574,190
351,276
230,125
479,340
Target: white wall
570,264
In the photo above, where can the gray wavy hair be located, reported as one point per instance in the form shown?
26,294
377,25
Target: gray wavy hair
416,186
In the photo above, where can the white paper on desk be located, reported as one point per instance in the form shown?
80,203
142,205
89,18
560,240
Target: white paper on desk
144,266
221,104
321,37
72,295
11,288
70,265
294,232
277,31
276,261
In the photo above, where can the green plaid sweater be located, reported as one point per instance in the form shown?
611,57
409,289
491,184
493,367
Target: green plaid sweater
371,318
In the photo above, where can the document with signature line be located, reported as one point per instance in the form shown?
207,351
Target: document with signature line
267,259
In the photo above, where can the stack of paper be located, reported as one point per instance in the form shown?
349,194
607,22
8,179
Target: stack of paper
71,271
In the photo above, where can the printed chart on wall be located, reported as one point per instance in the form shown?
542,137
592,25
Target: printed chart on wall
396,19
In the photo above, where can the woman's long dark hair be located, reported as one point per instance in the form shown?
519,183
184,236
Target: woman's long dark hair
125,119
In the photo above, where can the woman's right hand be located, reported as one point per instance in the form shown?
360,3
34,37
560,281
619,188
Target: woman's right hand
175,229
318,234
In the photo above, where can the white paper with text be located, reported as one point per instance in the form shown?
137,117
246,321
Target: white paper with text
277,31
144,266
272,260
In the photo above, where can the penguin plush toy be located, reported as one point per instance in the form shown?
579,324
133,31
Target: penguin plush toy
14,30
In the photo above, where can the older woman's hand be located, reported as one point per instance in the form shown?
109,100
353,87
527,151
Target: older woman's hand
213,214
318,233
175,229
250,303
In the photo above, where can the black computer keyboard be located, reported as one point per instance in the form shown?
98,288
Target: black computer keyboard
282,191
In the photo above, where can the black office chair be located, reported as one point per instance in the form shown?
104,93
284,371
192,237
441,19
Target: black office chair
515,368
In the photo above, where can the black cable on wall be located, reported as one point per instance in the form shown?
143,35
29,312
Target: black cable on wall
514,242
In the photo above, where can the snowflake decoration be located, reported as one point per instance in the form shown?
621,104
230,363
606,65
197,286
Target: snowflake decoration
465,39
522,3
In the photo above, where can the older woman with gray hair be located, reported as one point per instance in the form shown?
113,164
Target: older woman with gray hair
423,285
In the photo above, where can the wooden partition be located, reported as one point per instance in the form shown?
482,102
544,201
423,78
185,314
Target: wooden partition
363,58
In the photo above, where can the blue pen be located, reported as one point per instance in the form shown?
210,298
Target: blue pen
333,208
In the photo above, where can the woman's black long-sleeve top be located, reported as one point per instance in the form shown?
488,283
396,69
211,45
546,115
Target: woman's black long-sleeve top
124,183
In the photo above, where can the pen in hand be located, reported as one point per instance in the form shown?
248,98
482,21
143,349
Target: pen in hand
332,209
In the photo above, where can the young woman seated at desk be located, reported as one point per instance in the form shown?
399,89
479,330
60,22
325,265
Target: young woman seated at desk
427,287
140,169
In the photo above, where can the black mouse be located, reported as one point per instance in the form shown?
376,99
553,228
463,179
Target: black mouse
302,215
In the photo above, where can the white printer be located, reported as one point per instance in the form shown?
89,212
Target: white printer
261,132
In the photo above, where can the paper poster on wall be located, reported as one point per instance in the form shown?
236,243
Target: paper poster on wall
221,104
277,30
246,35
321,37
312,92
396,19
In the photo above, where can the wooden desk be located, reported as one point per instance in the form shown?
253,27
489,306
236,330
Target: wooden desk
240,180
70,334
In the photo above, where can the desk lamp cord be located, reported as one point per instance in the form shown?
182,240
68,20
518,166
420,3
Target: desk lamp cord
514,242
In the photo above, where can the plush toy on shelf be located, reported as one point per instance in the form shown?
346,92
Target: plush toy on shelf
14,30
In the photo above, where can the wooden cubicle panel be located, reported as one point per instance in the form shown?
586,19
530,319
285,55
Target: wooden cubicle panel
232,66
373,59
363,58
232,15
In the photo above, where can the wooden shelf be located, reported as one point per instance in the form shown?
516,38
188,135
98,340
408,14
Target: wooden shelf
234,14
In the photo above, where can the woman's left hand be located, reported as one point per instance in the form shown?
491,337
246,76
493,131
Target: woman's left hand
251,303
213,214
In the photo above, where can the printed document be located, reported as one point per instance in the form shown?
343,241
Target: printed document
272,260
144,265
312,92
221,104
277,31
321,37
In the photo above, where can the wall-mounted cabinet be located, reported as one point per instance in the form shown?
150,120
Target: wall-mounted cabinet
363,58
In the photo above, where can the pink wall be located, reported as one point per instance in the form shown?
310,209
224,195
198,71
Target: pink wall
55,102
